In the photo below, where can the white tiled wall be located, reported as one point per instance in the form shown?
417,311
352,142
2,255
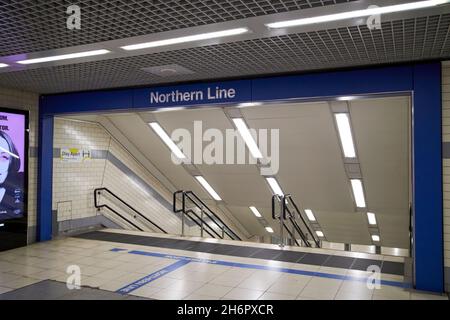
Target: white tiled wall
446,162
74,182
17,99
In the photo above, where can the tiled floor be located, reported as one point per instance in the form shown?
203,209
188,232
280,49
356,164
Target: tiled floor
106,270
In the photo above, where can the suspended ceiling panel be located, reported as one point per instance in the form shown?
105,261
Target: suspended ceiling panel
31,26
410,39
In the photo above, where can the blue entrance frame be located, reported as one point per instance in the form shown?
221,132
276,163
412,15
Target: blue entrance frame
421,81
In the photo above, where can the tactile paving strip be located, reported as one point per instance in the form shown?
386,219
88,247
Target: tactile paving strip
316,259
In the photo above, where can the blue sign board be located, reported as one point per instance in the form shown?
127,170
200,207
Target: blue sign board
194,94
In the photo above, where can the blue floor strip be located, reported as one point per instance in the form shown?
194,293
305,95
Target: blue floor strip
268,268
152,277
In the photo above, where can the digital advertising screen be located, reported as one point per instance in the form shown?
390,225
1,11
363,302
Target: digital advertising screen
13,164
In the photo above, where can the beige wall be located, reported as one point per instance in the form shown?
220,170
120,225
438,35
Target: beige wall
17,99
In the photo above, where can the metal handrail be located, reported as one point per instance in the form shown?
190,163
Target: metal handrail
299,230
288,196
287,215
212,216
190,211
98,191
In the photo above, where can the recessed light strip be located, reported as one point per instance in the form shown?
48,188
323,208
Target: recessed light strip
357,14
248,138
196,37
167,140
269,229
345,134
276,189
255,212
372,219
65,56
375,238
358,193
208,188
310,215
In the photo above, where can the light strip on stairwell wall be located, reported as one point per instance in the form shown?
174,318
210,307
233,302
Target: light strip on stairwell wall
345,134
167,140
3,65
372,219
248,138
357,14
208,188
276,189
310,215
191,38
358,193
255,212
65,56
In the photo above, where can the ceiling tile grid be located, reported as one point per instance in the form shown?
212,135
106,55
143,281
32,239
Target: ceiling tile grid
30,25
397,41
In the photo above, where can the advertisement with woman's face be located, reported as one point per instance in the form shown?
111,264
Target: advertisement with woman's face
12,169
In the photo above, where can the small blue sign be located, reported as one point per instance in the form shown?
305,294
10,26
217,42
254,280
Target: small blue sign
194,94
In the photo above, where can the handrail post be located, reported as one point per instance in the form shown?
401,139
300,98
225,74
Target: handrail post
282,213
201,219
223,232
182,223
183,203
293,230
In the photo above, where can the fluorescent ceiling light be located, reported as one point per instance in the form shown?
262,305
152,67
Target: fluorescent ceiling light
168,109
196,37
372,219
248,138
208,188
375,237
310,215
255,212
320,234
3,65
249,104
165,137
357,14
349,98
269,229
65,56
276,189
358,193
345,134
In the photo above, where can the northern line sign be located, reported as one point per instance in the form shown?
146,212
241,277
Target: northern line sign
194,94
